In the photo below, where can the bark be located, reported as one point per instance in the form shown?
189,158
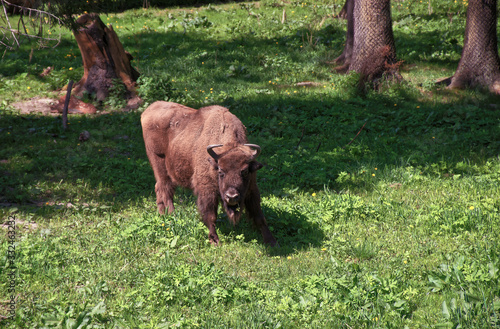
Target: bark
479,64
370,49
372,33
104,59
344,60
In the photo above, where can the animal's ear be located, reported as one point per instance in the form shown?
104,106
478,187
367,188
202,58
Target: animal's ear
254,166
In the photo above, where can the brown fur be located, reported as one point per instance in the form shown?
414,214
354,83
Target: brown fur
176,139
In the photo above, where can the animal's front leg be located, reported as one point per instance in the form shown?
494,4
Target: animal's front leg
254,212
207,205
164,188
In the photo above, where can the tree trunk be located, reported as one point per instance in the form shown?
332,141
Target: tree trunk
345,58
343,12
104,60
373,37
370,49
479,64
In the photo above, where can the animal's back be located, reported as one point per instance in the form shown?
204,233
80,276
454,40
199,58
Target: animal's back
221,126
181,135
214,124
161,115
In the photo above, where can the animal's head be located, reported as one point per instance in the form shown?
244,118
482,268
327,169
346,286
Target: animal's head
236,171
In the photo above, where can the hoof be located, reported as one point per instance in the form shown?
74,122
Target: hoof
214,239
272,243
161,209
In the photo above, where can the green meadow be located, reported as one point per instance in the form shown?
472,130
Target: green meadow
385,203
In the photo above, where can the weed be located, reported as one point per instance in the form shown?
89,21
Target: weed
117,95
155,88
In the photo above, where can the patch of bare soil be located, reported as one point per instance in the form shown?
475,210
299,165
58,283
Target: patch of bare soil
75,106
36,105
25,224
49,106
54,107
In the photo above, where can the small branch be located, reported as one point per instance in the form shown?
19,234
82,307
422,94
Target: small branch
444,81
22,30
6,47
66,104
355,136
300,140
38,11
8,21
14,31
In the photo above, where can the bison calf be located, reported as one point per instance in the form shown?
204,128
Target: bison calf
207,151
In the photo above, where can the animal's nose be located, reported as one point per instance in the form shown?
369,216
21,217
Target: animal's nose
232,197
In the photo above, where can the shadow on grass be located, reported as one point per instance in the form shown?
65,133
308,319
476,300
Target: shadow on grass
43,165
307,142
292,230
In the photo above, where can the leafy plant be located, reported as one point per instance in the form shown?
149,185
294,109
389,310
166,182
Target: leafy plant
117,95
154,88
81,317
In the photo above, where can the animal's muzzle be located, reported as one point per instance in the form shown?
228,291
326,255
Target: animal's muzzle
232,198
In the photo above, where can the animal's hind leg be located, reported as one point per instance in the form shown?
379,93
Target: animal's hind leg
164,188
164,197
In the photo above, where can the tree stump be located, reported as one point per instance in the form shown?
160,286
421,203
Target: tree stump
105,62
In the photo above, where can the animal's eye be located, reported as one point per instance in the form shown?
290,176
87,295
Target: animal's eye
244,173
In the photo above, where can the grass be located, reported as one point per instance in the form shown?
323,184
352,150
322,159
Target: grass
386,205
